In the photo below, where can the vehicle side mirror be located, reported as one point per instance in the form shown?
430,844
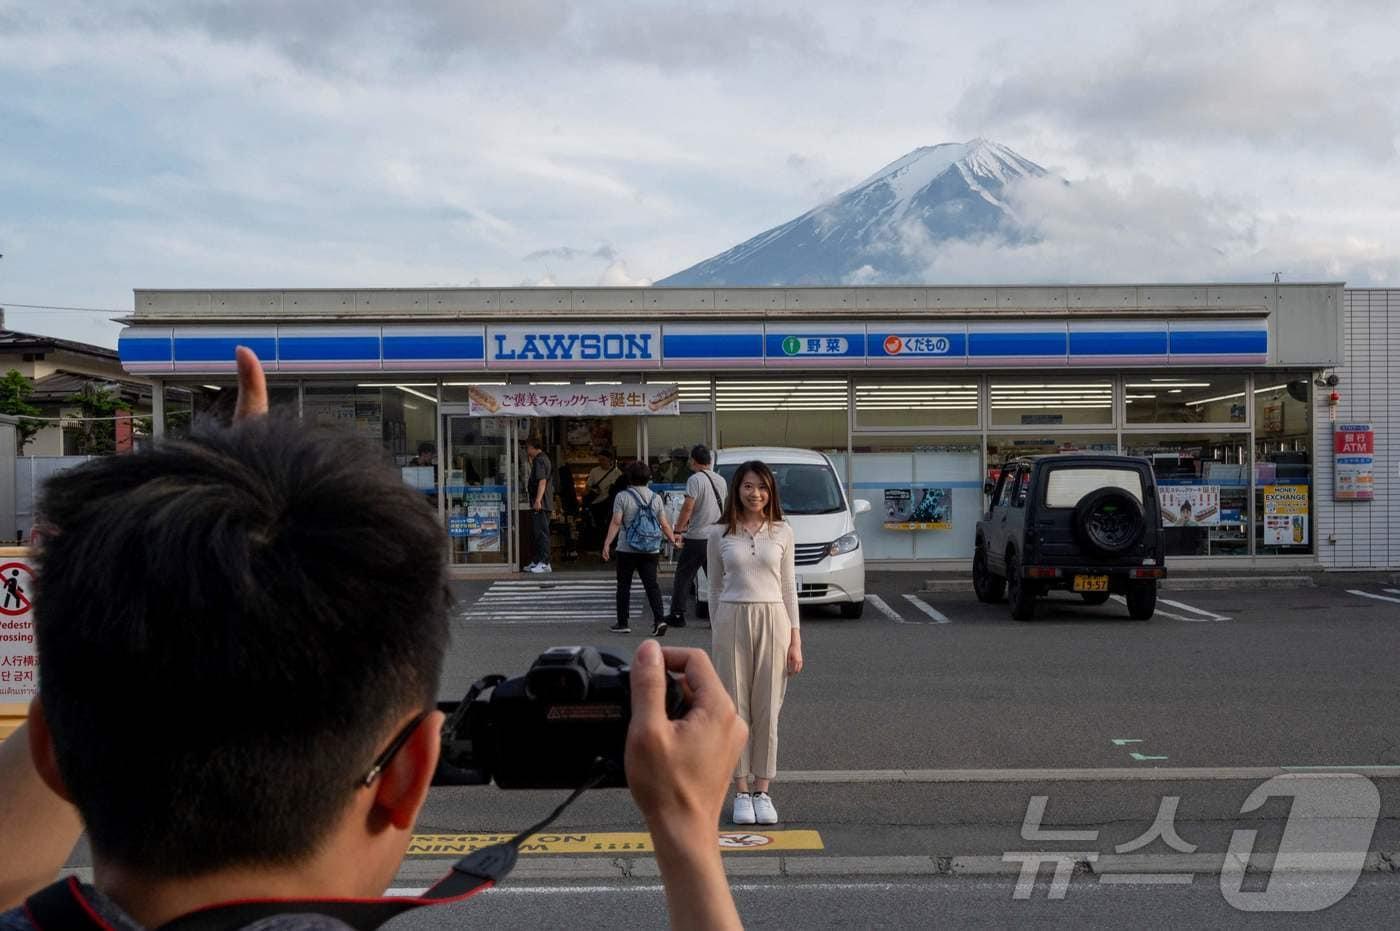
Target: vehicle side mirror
988,488
860,505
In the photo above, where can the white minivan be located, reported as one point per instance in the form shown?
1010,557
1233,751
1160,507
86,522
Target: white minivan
830,564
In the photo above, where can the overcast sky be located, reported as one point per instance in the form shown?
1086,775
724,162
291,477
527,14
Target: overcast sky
344,143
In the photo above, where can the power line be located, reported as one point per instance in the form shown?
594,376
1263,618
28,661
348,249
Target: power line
85,310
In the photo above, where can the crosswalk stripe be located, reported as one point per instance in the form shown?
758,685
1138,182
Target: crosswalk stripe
1354,591
938,616
879,604
1393,591
1186,607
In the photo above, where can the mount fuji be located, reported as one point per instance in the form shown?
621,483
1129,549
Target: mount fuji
941,193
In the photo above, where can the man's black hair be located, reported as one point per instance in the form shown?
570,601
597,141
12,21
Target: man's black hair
637,472
533,443
700,453
427,446
228,629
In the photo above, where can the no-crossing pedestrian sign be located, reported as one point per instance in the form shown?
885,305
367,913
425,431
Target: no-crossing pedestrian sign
18,665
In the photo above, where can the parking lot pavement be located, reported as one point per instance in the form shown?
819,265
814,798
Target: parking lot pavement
1391,595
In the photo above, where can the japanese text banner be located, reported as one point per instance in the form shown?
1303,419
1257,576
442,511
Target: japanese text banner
573,400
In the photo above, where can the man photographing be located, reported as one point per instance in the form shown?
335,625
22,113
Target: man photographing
270,604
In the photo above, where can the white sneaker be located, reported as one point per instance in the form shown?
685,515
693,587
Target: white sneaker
763,810
544,567
743,809
533,567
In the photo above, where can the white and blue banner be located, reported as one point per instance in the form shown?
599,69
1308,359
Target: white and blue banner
818,343
461,347
919,345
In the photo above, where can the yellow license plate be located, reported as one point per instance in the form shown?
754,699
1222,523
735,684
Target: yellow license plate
1091,583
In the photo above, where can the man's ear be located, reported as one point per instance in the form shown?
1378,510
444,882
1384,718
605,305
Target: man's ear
403,785
42,752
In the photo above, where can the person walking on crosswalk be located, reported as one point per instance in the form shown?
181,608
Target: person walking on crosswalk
755,638
639,525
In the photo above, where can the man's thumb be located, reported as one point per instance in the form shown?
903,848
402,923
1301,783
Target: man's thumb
648,683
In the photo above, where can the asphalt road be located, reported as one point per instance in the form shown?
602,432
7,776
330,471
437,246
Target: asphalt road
925,729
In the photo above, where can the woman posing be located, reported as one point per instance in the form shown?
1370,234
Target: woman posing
754,626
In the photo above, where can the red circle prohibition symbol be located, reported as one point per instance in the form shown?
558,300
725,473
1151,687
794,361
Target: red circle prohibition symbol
20,594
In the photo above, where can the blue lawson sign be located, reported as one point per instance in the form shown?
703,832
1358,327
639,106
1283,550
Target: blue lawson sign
552,345
430,347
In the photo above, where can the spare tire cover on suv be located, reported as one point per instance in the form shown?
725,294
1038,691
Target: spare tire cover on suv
1109,520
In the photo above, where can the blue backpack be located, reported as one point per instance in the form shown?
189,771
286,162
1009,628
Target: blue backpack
643,532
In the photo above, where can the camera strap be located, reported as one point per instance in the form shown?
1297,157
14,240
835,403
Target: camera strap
65,905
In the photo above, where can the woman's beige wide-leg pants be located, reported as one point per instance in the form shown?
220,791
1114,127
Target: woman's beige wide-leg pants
749,641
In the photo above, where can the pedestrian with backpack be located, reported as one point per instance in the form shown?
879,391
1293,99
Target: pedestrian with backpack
639,526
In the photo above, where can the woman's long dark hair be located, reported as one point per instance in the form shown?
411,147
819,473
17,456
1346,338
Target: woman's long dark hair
729,517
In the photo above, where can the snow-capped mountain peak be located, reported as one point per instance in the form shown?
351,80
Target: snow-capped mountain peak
954,190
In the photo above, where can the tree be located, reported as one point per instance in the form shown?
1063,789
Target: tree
98,434
15,390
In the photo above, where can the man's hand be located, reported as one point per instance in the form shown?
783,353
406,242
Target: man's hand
606,549
252,385
679,772
681,768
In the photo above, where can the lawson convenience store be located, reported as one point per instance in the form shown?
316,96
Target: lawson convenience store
918,394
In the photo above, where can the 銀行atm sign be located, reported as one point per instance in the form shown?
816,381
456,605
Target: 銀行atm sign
1353,457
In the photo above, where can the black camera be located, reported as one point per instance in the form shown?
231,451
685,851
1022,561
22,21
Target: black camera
552,728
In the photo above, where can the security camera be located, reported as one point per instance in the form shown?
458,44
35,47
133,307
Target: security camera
1330,380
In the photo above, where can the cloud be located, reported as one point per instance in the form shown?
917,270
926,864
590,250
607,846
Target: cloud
568,253
1147,231
1270,77
617,276
366,36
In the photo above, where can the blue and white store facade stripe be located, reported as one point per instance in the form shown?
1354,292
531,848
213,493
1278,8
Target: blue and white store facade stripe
914,392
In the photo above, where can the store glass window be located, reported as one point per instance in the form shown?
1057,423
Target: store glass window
1003,448
925,495
1188,398
1284,492
669,441
458,392
185,404
901,404
399,417
805,413
1203,485
1045,401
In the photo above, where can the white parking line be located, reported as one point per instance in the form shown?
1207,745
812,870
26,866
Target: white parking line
1353,591
1176,617
879,604
938,616
1186,607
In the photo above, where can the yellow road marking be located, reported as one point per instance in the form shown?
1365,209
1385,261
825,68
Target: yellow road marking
446,845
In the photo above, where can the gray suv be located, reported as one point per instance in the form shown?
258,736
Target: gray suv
1082,523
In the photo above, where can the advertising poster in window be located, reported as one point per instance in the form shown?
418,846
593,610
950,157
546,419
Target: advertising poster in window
918,508
1190,505
1354,455
480,520
1285,515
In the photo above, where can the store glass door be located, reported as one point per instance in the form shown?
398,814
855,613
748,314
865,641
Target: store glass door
478,488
